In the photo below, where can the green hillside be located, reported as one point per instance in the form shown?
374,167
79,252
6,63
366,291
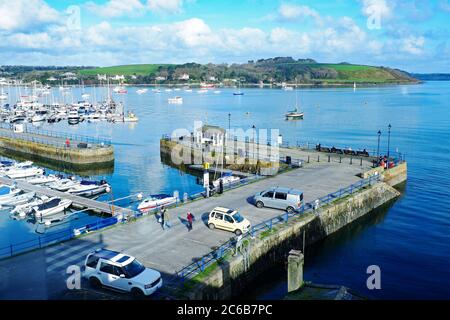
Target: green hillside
360,73
126,70
272,70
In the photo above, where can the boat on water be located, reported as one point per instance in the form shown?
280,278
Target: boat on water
238,92
294,115
156,201
227,179
88,188
50,207
43,179
23,172
175,100
63,184
141,91
131,117
8,192
23,209
73,117
19,199
202,91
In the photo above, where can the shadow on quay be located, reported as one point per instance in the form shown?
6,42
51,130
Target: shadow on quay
43,274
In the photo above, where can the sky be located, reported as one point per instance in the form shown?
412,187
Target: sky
409,35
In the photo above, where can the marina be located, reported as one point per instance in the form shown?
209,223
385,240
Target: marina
114,237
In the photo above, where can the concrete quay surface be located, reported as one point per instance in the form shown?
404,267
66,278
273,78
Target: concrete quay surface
42,274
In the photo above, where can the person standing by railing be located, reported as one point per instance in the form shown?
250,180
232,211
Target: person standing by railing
67,143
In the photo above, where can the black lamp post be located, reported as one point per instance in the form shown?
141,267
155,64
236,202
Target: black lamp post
229,121
378,148
389,139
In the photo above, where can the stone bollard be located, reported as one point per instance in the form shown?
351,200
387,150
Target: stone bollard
295,270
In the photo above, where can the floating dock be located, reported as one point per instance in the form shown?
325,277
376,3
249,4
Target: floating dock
53,147
78,202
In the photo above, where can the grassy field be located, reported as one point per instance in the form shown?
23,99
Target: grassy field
358,73
127,70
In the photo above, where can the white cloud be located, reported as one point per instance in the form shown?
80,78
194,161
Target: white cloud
117,8
413,45
22,15
289,12
169,6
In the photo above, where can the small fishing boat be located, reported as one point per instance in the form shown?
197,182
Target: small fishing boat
131,117
156,201
227,179
90,188
19,199
50,207
175,100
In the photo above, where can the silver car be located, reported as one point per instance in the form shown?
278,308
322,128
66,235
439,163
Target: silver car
279,198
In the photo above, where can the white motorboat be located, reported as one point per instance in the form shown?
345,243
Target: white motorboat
156,201
42,179
131,117
24,172
18,199
175,100
23,209
141,91
63,184
50,207
227,179
8,192
73,117
90,188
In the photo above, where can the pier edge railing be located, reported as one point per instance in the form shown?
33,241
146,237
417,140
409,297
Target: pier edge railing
41,134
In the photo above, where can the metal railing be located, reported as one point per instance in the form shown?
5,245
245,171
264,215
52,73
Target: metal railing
201,264
53,138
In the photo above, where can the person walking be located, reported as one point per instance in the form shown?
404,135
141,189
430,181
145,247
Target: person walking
162,216
190,219
167,219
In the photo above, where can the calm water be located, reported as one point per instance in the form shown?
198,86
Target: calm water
410,241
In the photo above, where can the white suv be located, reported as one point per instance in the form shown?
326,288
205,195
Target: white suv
120,272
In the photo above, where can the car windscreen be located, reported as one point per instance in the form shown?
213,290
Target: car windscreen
133,269
237,217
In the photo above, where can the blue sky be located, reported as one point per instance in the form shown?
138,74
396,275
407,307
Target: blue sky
410,35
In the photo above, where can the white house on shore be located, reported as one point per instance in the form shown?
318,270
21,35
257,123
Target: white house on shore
184,77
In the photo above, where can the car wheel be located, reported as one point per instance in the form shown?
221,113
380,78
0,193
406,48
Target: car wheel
290,210
211,226
237,232
95,283
137,293
259,204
